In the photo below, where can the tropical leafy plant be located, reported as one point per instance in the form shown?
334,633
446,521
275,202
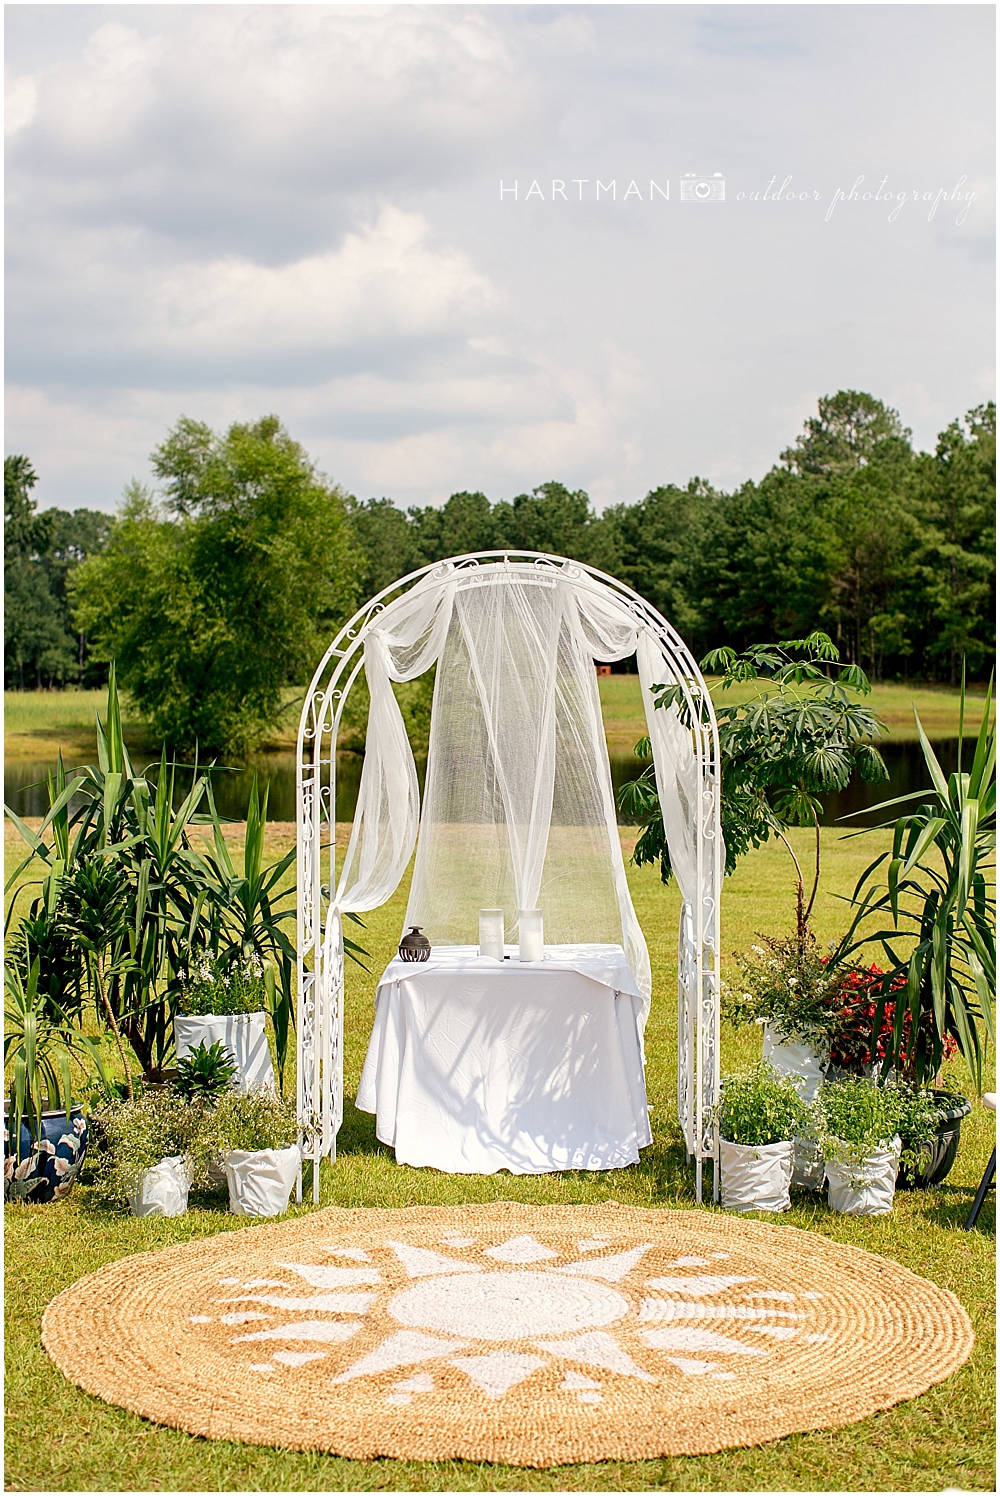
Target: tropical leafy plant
758,1107
802,734
248,912
41,1047
205,1072
129,897
934,889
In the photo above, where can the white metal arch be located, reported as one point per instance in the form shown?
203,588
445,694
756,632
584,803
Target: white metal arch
320,1012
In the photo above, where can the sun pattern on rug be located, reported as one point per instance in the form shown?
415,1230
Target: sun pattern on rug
502,1310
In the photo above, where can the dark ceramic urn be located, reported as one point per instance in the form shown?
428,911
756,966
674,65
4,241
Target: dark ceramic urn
414,946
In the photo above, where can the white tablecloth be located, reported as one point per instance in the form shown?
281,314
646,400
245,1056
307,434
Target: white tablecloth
476,1065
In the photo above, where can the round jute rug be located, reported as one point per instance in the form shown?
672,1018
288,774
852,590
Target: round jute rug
520,1334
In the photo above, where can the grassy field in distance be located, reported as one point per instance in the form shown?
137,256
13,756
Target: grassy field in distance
39,723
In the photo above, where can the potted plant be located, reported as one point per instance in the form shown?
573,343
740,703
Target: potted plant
45,1131
789,988
126,895
856,1050
932,896
255,1133
147,1148
856,1124
226,1004
792,991
759,1112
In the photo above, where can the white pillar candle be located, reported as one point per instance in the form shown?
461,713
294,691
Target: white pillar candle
532,940
491,933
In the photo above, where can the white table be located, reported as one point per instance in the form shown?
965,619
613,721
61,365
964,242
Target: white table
476,1065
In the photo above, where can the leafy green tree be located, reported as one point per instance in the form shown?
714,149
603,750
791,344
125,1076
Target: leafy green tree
40,550
850,430
658,545
35,642
952,593
214,600
465,523
764,564
822,538
73,537
386,541
802,734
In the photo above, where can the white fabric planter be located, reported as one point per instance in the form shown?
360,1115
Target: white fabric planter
163,1190
260,1183
808,1169
865,1188
756,1177
804,1064
243,1034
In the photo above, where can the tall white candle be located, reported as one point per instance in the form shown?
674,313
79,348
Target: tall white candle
491,933
532,946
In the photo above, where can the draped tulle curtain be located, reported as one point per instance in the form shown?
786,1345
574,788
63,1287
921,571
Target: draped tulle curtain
518,809
518,806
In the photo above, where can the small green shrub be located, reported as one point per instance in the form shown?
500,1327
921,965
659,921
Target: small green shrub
853,1118
218,990
789,985
250,1121
205,1072
758,1107
132,1136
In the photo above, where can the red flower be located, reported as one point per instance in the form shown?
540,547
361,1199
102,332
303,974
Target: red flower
851,1046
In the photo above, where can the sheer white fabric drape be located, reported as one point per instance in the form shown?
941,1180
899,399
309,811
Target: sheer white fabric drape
518,806
518,809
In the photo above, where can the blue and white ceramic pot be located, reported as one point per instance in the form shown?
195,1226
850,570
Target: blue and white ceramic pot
48,1165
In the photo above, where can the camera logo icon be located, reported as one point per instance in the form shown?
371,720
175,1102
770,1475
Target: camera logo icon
695,189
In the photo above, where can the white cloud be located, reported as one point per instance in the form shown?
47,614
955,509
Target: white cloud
20,101
388,280
224,210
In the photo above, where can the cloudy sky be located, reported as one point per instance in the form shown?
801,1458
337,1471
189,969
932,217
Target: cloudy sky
224,211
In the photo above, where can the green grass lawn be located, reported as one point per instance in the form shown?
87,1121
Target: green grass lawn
58,1438
38,723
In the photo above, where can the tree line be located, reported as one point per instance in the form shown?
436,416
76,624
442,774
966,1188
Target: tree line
224,585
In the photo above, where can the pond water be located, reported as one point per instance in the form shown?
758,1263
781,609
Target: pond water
25,793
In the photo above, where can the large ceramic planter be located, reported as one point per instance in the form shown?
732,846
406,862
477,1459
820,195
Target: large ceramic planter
867,1187
260,1183
49,1164
755,1177
243,1034
163,1189
940,1154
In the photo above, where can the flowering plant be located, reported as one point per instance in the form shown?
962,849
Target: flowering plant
133,1136
210,987
250,1121
787,984
854,1044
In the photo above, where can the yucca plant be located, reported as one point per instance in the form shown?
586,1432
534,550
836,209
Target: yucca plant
41,1047
934,888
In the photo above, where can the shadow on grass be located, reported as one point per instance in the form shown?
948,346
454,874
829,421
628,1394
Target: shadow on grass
357,1133
662,1177
948,1205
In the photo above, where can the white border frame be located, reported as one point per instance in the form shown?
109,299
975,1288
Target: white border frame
319,1027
